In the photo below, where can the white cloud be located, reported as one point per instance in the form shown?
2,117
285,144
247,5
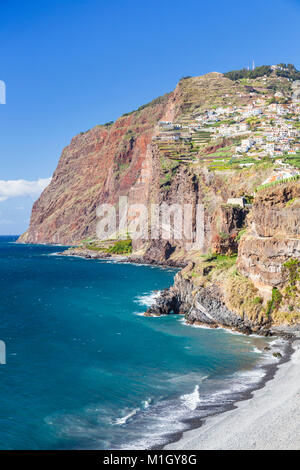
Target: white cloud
17,188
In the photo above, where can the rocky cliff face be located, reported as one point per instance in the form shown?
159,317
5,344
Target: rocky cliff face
206,300
135,157
273,236
261,290
97,167
125,158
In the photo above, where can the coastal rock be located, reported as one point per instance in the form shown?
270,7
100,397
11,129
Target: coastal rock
273,236
85,253
202,306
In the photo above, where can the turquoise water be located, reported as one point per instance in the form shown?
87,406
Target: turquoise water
86,370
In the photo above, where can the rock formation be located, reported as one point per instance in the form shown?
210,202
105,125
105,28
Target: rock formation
139,157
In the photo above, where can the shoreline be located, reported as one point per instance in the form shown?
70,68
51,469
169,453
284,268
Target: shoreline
267,416
202,431
126,259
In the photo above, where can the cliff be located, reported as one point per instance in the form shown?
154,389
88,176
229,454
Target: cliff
205,143
258,288
97,167
132,157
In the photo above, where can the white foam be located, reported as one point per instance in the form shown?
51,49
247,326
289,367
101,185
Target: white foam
147,403
124,419
147,299
191,400
192,325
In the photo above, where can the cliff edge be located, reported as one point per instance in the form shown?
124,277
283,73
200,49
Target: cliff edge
226,142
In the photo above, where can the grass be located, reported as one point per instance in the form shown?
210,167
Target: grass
119,247
293,160
242,297
240,234
219,262
240,294
169,168
284,305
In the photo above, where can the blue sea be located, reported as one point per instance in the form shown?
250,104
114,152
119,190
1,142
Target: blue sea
86,370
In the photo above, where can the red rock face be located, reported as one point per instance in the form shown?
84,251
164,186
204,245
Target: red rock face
107,162
97,167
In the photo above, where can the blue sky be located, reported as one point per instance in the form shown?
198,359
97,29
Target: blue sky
71,64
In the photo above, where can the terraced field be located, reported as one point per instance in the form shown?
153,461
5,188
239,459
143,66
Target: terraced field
293,160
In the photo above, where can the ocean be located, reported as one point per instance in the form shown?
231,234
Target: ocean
86,370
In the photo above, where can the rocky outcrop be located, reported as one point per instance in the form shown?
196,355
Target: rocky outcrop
85,253
203,305
273,236
228,220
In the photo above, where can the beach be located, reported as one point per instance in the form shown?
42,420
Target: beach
269,420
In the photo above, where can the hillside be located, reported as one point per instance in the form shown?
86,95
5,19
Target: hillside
229,142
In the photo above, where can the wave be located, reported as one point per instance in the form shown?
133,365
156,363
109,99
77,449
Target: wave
124,419
153,421
168,417
147,403
191,400
146,300
192,325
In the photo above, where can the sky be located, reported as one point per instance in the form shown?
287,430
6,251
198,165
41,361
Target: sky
69,65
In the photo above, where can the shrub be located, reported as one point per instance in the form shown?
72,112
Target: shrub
275,301
244,73
276,297
240,234
93,247
121,247
292,269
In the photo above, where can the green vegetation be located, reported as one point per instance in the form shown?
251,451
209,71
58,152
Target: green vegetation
293,160
285,304
277,100
169,168
121,247
121,168
220,262
240,234
229,163
258,300
242,297
94,247
291,269
289,71
245,73
274,303
253,122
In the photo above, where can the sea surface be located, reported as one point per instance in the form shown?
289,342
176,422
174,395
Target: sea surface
86,370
